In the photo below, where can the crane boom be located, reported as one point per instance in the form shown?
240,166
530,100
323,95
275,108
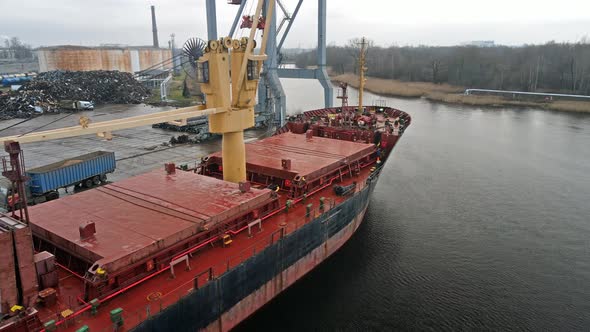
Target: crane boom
230,99
104,128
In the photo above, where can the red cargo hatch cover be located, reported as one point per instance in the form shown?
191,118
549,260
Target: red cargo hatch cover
141,215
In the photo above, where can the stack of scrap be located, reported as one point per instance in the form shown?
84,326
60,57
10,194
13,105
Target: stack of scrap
43,93
25,104
100,86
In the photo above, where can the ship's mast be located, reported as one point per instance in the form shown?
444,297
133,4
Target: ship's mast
362,69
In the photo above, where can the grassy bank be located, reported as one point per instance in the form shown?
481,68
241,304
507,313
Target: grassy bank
175,96
453,94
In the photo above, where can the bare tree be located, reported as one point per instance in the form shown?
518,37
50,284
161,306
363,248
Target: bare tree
559,67
18,49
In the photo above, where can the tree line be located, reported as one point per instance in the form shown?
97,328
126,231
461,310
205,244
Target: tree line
551,67
15,49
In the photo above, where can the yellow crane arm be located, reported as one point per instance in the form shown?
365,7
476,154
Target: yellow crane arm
105,128
248,54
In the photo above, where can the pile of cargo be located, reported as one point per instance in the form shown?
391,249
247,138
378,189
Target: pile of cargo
44,92
100,87
25,104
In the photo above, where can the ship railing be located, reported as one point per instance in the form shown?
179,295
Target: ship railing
217,270
159,301
221,268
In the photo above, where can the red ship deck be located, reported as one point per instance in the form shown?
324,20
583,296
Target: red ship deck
134,215
141,215
310,158
158,292
159,220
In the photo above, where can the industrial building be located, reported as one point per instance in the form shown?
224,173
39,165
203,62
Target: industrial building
123,58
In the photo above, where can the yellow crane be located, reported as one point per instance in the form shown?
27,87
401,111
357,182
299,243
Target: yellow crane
230,107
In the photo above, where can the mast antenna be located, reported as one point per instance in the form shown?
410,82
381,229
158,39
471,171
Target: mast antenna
362,70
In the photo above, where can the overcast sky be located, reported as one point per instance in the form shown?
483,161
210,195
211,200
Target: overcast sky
428,22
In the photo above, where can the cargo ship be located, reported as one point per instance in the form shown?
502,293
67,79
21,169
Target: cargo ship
194,249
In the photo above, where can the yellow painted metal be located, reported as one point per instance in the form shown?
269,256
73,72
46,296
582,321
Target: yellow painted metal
233,151
246,98
217,93
249,45
104,128
238,56
232,123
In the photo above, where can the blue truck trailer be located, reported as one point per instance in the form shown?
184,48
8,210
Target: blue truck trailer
85,171
16,79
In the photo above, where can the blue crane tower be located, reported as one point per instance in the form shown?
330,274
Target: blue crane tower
272,100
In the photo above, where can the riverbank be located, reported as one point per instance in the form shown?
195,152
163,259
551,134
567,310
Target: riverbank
453,94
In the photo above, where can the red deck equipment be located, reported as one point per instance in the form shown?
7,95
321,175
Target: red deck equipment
296,159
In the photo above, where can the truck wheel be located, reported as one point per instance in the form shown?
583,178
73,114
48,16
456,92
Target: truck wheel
88,183
103,178
51,196
96,180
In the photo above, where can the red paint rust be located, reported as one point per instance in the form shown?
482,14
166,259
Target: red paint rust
279,283
28,275
7,273
310,158
137,213
141,215
218,258
83,59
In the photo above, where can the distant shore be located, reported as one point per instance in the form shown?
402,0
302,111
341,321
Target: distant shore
450,94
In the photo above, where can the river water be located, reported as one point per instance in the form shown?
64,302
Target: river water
480,221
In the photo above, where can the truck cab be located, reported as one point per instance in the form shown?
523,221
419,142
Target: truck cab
86,105
76,105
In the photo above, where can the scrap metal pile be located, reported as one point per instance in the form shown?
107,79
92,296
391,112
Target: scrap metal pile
25,104
43,93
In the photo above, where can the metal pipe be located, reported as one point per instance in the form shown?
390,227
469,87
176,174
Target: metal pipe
469,91
362,70
112,125
289,26
154,28
322,74
211,19
237,18
234,156
285,12
321,33
249,45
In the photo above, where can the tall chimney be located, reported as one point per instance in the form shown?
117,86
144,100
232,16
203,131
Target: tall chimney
154,27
